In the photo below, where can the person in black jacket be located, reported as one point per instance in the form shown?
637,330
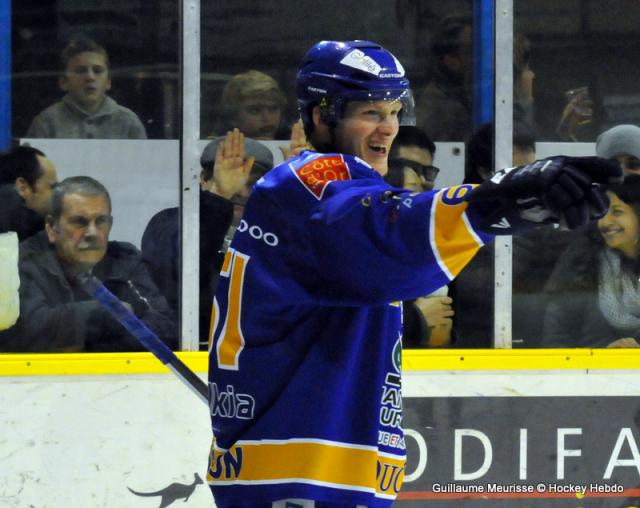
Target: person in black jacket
56,314
27,178
239,162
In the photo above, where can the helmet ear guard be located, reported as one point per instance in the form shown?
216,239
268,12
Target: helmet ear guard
327,111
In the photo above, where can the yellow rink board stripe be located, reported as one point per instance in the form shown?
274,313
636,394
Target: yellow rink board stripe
64,364
413,360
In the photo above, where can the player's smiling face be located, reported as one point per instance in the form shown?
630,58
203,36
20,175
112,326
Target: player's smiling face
367,131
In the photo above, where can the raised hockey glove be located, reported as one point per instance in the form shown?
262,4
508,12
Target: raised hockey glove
558,190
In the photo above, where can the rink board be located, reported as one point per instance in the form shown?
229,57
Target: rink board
482,429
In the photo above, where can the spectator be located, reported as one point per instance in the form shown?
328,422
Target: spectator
433,313
427,320
523,76
9,280
443,108
298,142
534,255
479,160
253,103
576,118
230,166
411,160
593,291
86,111
56,314
621,143
27,178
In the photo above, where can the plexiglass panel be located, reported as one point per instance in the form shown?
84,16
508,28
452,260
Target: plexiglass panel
578,75
94,189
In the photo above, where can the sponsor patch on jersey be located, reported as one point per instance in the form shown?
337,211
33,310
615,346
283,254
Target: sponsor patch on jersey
316,174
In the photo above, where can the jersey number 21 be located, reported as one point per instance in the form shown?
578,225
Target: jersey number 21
230,341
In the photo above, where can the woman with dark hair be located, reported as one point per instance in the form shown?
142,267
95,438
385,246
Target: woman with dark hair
594,290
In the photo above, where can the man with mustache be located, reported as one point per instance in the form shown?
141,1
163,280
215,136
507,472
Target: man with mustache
56,315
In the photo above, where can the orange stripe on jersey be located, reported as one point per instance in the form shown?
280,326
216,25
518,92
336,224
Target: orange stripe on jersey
224,270
327,463
453,240
213,321
231,341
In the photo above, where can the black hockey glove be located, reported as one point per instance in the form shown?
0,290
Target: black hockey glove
558,190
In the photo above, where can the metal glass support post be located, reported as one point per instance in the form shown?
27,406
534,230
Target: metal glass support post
190,181
483,62
5,74
503,158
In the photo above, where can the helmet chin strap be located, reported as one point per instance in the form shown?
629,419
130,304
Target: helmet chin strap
328,145
325,145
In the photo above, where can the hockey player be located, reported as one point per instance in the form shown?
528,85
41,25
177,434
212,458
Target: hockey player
305,356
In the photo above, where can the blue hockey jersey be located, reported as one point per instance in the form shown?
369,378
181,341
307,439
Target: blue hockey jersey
305,346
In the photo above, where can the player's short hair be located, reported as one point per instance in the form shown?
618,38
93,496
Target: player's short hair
75,185
20,162
81,44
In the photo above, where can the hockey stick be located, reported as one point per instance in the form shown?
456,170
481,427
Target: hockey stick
144,334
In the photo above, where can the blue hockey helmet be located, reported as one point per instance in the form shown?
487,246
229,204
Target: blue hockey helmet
334,73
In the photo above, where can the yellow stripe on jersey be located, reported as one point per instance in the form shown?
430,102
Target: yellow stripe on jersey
226,264
453,240
326,463
231,340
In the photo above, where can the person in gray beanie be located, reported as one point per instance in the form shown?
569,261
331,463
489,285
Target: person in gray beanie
621,143
230,165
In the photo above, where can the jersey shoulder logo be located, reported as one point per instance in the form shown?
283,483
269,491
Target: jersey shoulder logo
319,172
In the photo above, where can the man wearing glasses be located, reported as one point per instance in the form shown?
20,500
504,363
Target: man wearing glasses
411,160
